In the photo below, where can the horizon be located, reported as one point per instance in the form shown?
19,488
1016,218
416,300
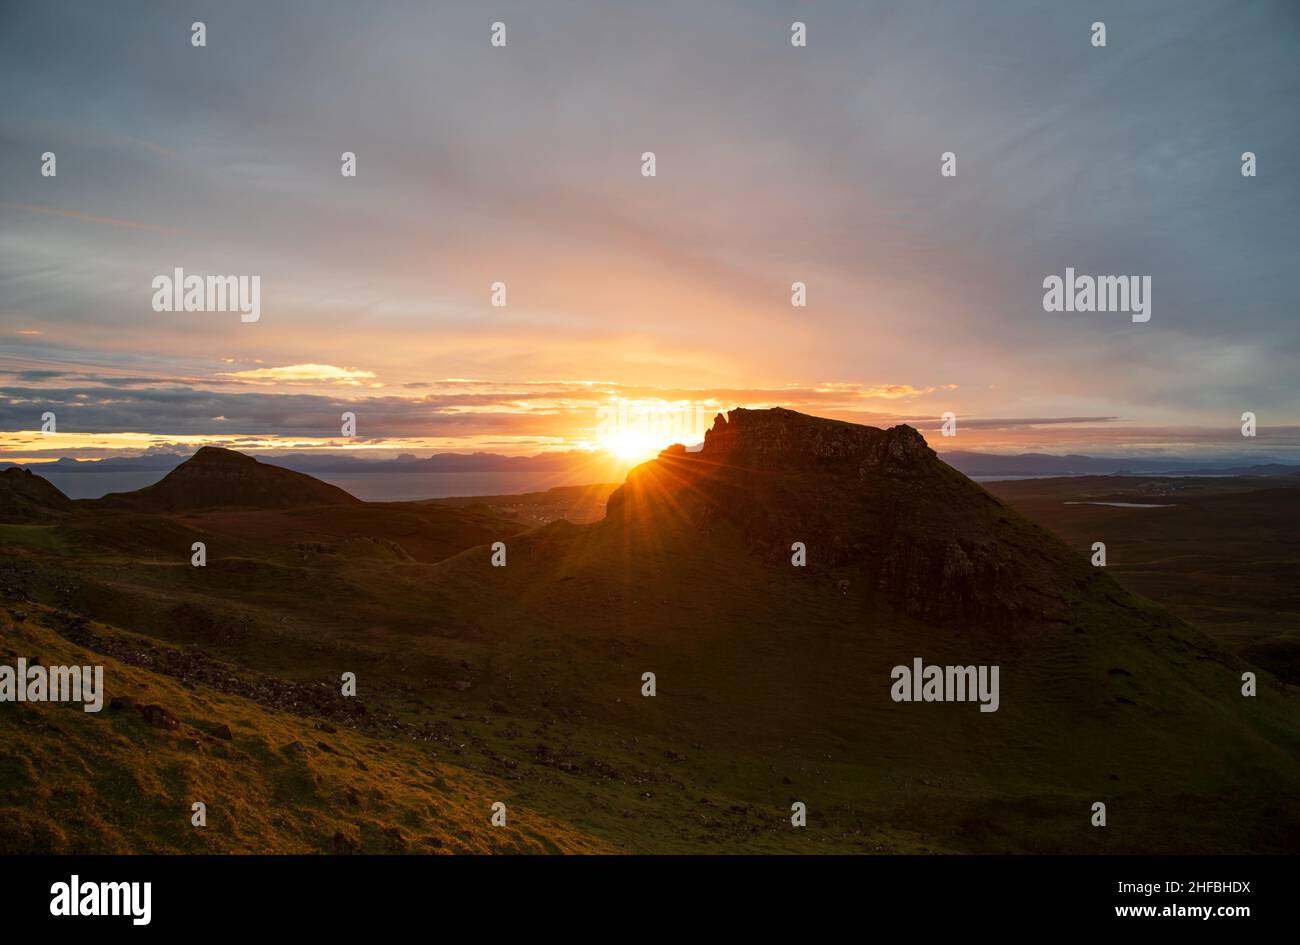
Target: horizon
636,304
409,477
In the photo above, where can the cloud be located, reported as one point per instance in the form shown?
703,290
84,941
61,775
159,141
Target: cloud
302,373
775,164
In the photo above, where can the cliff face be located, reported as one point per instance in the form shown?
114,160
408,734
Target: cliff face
877,505
783,438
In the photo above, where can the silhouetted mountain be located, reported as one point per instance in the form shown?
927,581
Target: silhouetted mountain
438,462
215,477
26,497
583,465
989,465
149,462
579,462
878,500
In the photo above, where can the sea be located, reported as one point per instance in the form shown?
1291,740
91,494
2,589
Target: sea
371,487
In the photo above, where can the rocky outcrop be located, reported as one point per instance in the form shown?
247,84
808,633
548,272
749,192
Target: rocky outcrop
783,438
876,503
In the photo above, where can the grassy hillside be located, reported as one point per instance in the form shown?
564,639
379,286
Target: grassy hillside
272,781
773,681
1220,553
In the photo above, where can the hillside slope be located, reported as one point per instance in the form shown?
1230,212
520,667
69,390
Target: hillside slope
785,672
26,497
273,781
773,681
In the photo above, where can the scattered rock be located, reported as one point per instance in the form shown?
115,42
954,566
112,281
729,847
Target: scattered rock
343,844
159,717
223,731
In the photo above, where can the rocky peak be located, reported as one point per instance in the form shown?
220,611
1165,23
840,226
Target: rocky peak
876,502
781,439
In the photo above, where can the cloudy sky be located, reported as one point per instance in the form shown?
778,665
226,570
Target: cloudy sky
522,165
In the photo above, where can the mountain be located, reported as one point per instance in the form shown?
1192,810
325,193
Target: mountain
25,497
148,462
880,501
989,465
219,477
441,462
781,674
590,467
332,462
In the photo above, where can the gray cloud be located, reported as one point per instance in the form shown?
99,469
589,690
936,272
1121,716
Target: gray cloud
774,164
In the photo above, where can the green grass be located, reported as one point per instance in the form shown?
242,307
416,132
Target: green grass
45,538
773,687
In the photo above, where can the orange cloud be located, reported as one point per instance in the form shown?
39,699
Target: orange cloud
304,373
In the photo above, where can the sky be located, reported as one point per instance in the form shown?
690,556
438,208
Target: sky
662,299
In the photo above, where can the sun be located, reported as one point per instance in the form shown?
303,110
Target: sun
632,445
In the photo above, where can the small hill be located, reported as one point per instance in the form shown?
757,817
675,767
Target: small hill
26,497
215,477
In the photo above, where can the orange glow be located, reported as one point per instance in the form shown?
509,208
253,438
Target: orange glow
632,445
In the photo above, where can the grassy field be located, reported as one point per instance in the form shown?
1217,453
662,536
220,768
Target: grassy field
1223,554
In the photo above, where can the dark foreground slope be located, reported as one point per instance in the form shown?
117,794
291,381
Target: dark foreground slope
773,681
